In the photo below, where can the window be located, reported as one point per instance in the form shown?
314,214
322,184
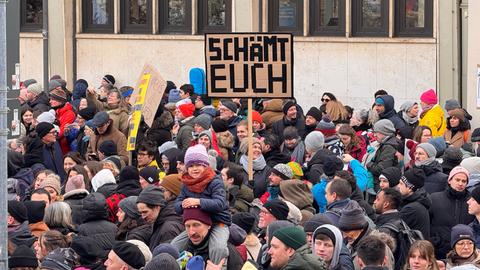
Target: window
97,16
31,15
214,16
285,16
175,16
370,18
327,17
136,16
414,18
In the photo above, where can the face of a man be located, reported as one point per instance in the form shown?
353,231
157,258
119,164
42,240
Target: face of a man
324,249
274,179
473,207
379,202
265,218
196,231
114,262
328,195
292,112
148,214
51,136
290,143
458,182
39,197
225,113
55,103
403,189
279,253
310,120
101,129
143,158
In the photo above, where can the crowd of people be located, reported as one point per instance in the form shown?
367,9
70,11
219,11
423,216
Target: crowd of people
333,187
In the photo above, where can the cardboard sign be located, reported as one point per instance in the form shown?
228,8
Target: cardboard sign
249,65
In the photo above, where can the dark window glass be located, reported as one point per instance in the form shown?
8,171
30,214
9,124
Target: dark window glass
31,15
370,17
414,18
215,16
286,16
98,16
176,16
327,17
136,16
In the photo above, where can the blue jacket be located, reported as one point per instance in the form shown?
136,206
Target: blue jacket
212,200
476,231
53,160
318,192
361,175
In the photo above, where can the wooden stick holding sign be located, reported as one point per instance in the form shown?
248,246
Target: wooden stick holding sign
250,141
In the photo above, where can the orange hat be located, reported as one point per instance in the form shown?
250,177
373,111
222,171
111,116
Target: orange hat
257,117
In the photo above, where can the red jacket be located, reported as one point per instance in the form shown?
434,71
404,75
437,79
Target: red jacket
65,116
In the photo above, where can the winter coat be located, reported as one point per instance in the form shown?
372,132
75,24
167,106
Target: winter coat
120,117
279,126
384,157
107,189
357,196
335,146
455,204
434,119
184,135
64,117
318,191
234,259
303,259
75,199
260,180
135,230
360,173
41,103
22,235
298,193
476,231
160,130
226,141
314,170
274,157
457,140
167,226
453,260
112,134
390,113
212,200
436,180
272,112
357,151
53,159
77,140
38,228
95,222
239,198
414,211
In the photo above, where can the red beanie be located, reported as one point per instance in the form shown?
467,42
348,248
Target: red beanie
196,214
429,97
187,109
257,117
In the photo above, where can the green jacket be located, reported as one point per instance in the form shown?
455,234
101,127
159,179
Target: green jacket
303,259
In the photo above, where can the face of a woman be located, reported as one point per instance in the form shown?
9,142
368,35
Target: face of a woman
83,104
120,215
465,248
72,173
196,170
418,262
40,178
426,135
27,117
39,251
413,111
205,141
257,150
68,163
324,249
113,98
345,139
89,173
454,121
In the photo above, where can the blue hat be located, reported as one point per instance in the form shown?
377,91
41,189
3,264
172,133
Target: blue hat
174,96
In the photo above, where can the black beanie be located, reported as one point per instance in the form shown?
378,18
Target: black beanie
316,221
129,253
108,148
35,211
129,173
219,125
331,165
475,194
86,248
109,78
23,256
43,129
277,208
287,104
315,113
18,211
87,113
246,221
393,175
414,178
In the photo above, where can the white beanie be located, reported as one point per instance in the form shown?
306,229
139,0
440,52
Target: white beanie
103,177
48,117
472,164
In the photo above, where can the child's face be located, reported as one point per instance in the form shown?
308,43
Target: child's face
196,170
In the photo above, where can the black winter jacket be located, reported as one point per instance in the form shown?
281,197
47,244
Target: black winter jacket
167,226
75,198
41,103
390,112
414,211
436,180
314,170
280,125
384,158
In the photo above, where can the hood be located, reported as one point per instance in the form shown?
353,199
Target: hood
129,187
94,207
419,196
210,110
389,106
172,156
103,177
15,162
76,194
165,120
391,140
80,89
274,105
22,235
166,213
432,168
338,243
296,192
321,156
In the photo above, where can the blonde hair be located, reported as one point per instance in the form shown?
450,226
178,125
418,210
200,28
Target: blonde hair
336,111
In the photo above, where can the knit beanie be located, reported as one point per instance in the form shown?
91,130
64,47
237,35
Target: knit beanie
296,169
451,104
429,97
439,144
352,218
207,133
109,79
23,256
104,176
472,164
18,211
163,261
429,149
326,126
150,174
43,129
204,120
28,82
385,127
129,253
257,117
475,194
53,183
108,148
475,135
287,104
35,88
174,96
60,258
87,248
457,170
316,221
115,160
392,174
458,113
187,109
314,141
452,157
195,263
75,182
277,208
47,117
315,113
293,237
460,232
87,113
407,106
152,195
35,211
196,154
331,165
244,220
144,249
53,84
219,125
198,215
129,206
166,248
229,105
237,235
283,171
172,183
128,173
379,101
414,178
58,95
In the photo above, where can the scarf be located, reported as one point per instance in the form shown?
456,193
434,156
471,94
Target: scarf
298,153
258,163
274,192
408,119
426,162
198,185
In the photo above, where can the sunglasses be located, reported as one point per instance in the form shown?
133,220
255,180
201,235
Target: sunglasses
325,100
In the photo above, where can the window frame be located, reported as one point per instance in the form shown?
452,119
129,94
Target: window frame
164,28
203,27
28,27
129,28
87,18
317,30
273,6
357,24
401,30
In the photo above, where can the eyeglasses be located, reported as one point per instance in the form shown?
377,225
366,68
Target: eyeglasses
325,100
53,132
465,243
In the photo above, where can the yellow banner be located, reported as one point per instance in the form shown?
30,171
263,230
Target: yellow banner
137,112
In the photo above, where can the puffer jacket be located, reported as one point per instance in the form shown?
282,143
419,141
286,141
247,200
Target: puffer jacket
414,211
167,226
272,112
434,119
75,198
64,117
435,180
184,135
280,125
95,222
455,204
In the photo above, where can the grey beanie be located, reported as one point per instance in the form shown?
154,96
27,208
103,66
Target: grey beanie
163,261
53,84
129,206
352,218
204,120
152,195
35,88
384,127
452,104
27,83
407,105
314,141
283,170
430,149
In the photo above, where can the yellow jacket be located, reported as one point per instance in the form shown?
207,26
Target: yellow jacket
435,120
